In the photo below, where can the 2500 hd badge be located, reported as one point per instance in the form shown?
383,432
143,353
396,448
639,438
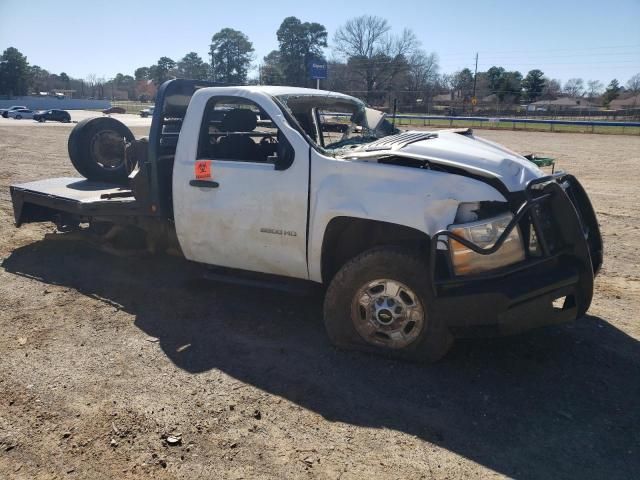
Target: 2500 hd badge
278,231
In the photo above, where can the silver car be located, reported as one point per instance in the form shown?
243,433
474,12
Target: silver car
21,113
5,111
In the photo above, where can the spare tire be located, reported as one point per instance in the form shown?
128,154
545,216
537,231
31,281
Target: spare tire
97,149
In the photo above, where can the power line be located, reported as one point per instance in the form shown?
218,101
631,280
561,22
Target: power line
544,57
615,62
490,63
550,50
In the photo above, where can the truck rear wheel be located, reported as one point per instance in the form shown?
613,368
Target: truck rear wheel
97,149
380,301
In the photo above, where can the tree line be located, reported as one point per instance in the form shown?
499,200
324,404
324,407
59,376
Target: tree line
367,59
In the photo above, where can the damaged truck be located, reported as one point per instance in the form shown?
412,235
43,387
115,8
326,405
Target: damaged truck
418,236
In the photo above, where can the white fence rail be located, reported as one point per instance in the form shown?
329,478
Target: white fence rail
45,103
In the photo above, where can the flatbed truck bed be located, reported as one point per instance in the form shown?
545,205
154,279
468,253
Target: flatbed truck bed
42,199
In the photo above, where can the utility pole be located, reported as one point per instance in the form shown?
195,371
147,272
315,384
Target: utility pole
211,65
475,75
474,100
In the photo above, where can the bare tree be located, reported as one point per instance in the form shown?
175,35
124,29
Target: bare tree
445,81
633,85
341,78
362,36
423,69
552,88
91,83
594,88
100,82
372,52
574,87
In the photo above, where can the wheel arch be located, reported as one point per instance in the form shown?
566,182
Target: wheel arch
345,237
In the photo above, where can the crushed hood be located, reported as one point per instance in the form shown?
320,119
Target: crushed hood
459,149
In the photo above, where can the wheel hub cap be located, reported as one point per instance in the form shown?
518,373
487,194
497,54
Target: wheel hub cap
384,316
387,313
107,148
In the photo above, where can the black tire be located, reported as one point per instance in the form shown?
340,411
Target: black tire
94,149
18,117
401,265
41,119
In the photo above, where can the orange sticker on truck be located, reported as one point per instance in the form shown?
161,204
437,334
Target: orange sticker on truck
203,169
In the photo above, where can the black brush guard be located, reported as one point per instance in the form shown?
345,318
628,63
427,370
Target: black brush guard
554,286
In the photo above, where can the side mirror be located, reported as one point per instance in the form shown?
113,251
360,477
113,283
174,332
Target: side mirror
285,153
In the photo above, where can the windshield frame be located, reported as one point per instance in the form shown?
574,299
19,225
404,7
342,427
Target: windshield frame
316,103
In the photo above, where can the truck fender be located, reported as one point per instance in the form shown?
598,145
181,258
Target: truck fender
423,200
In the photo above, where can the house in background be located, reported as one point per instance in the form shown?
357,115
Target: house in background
625,103
562,104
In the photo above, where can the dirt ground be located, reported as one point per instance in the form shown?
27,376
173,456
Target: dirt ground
103,357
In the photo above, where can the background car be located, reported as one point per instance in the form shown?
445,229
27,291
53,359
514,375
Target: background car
52,115
21,113
110,110
146,112
5,111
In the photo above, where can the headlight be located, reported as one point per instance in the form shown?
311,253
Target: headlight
485,233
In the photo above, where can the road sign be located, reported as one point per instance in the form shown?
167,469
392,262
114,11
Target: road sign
318,69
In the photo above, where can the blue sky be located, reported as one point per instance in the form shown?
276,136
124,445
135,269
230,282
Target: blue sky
565,39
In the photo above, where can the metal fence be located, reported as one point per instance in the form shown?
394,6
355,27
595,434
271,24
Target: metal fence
411,102
534,124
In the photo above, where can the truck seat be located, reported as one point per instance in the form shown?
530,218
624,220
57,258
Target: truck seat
238,144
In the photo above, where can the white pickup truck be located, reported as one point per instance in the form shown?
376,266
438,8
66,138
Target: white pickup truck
418,236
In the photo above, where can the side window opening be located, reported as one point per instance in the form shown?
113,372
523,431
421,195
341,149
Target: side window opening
237,129
305,119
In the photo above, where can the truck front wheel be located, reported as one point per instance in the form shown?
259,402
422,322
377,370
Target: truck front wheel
380,302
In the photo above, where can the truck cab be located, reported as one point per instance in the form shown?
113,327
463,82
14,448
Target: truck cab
418,237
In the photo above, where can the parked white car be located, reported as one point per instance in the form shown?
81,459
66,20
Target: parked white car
21,113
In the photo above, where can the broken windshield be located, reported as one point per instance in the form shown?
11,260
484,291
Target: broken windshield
336,122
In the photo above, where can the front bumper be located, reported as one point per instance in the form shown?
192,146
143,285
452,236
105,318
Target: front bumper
553,287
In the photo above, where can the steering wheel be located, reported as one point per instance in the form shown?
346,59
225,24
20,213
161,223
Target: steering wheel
268,146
